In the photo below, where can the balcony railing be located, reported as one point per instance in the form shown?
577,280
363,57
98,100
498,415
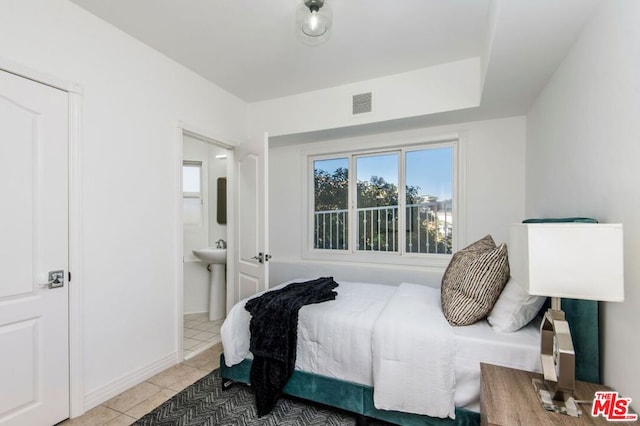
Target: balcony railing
428,228
331,229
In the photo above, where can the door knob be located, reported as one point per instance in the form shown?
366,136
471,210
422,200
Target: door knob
56,279
261,257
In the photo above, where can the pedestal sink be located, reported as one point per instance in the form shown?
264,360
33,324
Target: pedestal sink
216,258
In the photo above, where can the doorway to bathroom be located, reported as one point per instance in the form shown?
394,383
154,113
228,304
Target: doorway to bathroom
205,166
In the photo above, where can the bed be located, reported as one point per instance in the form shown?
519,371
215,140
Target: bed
372,346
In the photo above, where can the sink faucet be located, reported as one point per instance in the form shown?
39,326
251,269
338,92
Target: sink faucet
221,244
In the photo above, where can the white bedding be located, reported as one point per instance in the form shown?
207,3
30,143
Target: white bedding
480,343
412,341
335,339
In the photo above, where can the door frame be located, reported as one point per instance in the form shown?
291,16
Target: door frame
75,97
187,129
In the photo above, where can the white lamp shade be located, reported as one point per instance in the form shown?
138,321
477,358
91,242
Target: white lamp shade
571,260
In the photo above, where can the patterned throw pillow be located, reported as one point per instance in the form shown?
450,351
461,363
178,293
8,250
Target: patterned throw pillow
459,264
472,284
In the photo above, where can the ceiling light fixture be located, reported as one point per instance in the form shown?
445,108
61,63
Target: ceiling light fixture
314,19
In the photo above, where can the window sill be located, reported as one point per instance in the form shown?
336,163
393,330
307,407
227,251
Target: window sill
395,259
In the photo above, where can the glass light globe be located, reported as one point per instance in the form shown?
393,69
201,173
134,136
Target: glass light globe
315,24
314,19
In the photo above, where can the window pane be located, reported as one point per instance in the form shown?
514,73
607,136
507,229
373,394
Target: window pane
429,221
191,178
377,202
331,197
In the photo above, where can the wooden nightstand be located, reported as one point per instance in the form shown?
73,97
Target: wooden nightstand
507,397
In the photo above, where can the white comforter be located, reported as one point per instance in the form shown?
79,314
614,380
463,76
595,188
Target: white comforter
335,340
413,354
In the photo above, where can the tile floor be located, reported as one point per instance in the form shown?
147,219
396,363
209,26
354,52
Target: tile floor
199,333
202,347
126,408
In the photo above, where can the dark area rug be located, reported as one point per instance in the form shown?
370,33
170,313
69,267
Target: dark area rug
204,403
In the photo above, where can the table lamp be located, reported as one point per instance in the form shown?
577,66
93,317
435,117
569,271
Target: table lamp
571,260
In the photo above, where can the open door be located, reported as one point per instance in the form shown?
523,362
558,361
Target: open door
251,252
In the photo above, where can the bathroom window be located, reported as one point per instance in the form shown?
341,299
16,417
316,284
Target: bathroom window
192,193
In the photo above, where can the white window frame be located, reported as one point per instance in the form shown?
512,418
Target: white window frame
399,257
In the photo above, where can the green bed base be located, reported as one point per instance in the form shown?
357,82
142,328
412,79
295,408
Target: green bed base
352,397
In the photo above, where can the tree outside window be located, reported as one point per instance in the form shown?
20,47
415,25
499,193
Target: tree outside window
427,202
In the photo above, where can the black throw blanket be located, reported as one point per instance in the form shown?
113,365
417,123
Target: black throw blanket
274,331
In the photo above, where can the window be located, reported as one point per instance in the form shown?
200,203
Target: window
192,193
377,202
331,195
429,200
397,201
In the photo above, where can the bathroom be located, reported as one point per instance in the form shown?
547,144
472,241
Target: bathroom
204,174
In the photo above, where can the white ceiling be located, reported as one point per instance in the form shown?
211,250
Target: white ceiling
250,48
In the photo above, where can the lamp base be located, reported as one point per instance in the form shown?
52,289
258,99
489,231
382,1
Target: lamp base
545,394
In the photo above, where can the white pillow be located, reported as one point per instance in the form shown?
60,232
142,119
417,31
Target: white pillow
514,309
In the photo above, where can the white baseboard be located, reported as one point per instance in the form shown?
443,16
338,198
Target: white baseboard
196,311
116,387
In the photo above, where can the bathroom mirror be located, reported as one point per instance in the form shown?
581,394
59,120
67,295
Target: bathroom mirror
222,201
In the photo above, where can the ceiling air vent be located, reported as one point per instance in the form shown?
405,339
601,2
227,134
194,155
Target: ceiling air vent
361,103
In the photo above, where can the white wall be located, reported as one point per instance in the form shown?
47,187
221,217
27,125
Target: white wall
440,88
583,135
493,191
133,100
217,169
195,282
196,287
197,236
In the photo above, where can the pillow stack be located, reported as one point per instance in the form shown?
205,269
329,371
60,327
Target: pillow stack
473,281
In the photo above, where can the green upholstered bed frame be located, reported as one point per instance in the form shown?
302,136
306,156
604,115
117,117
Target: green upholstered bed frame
352,397
582,316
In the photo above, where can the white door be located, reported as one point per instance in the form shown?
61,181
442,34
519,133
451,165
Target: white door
252,258
34,354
